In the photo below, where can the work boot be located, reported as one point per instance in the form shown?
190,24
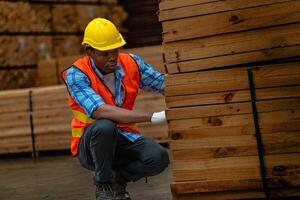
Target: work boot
104,192
120,192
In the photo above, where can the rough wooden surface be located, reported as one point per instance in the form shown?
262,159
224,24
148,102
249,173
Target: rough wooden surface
62,177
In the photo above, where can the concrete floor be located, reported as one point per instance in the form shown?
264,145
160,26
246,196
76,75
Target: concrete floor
62,177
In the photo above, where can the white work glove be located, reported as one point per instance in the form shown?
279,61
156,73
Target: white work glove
158,117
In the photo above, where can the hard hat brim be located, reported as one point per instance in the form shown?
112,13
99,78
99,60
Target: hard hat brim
106,48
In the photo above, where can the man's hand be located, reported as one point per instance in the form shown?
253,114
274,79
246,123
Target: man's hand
158,117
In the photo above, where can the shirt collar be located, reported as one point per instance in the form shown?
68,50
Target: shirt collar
119,73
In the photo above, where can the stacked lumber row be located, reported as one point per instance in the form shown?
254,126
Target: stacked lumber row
208,46
15,132
47,19
23,78
142,23
211,124
48,71
31,17
31,31
51,119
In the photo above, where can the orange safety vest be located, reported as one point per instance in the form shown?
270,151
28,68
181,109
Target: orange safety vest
130,85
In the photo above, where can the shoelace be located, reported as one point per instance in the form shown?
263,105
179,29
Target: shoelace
106,187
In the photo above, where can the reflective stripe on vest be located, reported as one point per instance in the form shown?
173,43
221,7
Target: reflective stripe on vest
82,117
77,132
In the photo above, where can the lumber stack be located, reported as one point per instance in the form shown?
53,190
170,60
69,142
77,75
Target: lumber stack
15,132
36,30
211,48
51,117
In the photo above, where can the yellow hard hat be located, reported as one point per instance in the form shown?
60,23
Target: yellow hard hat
101,34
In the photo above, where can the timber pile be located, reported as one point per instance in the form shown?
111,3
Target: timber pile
15,133
209,47
51,119
142,23
31,31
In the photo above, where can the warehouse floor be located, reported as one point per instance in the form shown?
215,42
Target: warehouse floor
61,177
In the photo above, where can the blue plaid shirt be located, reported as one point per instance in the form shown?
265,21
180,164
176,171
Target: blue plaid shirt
79,87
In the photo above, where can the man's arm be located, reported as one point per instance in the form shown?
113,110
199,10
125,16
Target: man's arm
93,104
151,80
121,115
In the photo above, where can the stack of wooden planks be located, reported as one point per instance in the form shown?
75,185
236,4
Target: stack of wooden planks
35,30
15,132
34,119
51,119
212,47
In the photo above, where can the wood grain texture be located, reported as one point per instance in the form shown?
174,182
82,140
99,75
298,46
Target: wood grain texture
233,21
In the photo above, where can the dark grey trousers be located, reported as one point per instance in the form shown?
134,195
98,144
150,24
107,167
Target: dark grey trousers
113,157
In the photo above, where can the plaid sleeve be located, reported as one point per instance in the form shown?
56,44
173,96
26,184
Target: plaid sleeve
151,80
79,88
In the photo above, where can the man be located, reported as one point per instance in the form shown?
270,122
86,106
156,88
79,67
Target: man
102,89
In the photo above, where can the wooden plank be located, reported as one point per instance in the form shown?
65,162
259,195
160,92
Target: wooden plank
53,141
232,21
60,127
46,72
183,9
234,146
15,144
247,194
235,59
216,131
265,119
157,132
233,44
10,120
246,167
232,96
170,4
283,70
231,79
185,187
232,108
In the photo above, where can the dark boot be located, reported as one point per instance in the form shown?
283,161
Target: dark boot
104,192
120,192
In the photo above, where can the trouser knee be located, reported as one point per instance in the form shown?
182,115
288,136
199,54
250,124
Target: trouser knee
103,128
158,162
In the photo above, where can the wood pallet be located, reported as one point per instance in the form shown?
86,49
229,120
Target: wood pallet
209,46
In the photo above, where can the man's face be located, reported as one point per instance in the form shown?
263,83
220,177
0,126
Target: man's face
106,61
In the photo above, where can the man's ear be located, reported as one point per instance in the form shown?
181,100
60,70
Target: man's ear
89,52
